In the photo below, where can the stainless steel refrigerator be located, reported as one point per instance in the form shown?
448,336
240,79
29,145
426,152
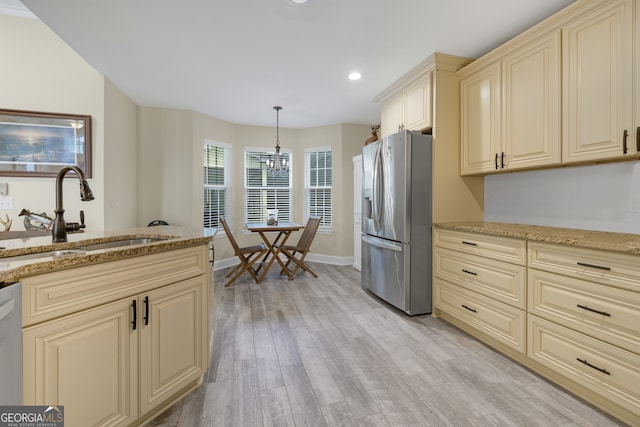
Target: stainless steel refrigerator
396,220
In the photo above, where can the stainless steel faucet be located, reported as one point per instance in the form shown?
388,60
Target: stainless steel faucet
59,228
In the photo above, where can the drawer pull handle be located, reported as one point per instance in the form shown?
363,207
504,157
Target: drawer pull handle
604,371
468,308
599,267
469,272
146,310
469,243
584,307
135,314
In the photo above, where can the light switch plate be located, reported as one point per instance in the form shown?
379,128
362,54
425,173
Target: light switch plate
6,202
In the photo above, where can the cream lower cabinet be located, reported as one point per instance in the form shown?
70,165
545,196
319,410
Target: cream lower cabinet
584,318
86,362
171,345
122,339
569,313
473,285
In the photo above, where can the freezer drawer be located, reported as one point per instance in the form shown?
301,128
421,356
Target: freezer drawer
387,272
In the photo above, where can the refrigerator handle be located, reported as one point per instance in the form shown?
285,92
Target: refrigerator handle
382,244
376,195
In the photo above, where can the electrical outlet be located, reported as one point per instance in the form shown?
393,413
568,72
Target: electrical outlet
6,202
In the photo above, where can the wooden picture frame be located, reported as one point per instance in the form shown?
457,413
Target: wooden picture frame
37,144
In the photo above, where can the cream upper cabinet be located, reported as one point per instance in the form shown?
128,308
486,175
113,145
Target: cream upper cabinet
480,120
563,93
418,104
510,113
531,109
391,116
597,81
410,109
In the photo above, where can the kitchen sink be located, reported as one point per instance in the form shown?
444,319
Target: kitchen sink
119,243
38,255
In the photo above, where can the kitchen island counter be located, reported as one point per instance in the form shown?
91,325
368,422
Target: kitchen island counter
601,240
163,238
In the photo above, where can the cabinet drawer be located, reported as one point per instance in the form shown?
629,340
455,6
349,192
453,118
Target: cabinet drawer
607,313
500,248
500,321
499,280
607,268
609,371
56,294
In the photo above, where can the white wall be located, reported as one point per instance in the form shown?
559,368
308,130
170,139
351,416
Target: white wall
170,161
597,197
120,160
40,72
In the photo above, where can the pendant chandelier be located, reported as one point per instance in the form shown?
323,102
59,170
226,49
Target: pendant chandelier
277,166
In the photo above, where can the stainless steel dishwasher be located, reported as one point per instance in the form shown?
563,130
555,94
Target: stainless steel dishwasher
11,344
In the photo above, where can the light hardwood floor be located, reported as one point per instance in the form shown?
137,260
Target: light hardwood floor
323,352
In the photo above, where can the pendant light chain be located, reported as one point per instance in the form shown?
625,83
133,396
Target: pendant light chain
277,166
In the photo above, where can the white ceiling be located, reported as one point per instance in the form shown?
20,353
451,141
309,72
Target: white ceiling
236,59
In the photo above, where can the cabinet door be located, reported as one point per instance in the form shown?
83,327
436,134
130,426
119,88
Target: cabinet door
86,362
480,121
391,119
597,82
173,340
531,110
418,105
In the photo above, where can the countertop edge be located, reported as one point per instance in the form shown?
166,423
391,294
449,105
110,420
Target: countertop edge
600,240
173,238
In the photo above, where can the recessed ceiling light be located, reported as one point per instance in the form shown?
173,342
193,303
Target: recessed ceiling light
356,75
299,2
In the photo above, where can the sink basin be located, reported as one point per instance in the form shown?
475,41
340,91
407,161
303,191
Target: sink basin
119,243
48,254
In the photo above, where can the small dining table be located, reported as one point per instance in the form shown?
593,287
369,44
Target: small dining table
284,230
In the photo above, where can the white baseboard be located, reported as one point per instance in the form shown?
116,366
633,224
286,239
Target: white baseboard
323,259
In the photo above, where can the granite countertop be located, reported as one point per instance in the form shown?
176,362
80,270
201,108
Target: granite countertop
602,240
12,271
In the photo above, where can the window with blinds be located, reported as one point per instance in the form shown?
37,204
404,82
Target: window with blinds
318,179
217,183
263,191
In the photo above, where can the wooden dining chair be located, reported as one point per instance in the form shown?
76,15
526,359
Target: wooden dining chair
248,256
297,253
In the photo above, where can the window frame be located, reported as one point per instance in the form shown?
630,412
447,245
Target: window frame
266,153
226,186
326,224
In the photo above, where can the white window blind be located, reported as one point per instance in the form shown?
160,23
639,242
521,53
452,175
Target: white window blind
263,191
318,182
217,183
